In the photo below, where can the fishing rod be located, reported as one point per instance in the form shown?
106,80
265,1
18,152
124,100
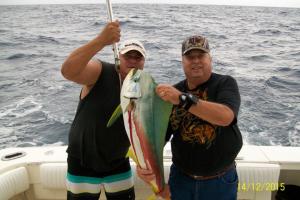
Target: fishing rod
115,45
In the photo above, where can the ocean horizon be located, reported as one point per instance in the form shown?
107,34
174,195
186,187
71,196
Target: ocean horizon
166,2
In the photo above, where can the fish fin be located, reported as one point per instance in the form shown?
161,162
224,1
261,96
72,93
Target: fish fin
152,197
154,186
132,155
155,191
116,114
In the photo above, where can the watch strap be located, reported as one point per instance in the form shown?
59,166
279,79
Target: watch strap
188,104
189,100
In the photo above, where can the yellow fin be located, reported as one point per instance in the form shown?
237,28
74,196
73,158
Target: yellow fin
155,190
152,197
132,155
154,186
116,114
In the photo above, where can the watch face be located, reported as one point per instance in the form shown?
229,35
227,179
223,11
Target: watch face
183,97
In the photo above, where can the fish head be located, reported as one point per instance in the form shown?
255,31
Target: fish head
131,88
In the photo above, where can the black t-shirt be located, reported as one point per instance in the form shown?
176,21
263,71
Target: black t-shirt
97,146
199,147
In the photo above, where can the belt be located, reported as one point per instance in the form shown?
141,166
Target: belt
218,174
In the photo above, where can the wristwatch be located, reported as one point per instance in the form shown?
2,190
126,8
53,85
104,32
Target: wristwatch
186,100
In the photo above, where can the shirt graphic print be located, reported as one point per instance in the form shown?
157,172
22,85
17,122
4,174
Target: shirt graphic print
191,128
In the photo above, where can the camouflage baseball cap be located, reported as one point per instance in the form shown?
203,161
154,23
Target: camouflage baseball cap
195,42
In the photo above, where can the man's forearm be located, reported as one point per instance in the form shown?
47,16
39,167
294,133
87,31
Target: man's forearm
213,113
79,58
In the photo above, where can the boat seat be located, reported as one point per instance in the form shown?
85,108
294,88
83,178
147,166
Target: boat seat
257,180
13,183
53,175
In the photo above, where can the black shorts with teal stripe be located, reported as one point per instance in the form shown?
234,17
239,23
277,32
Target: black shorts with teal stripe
85,183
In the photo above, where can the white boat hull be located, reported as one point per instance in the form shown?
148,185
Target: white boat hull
40,173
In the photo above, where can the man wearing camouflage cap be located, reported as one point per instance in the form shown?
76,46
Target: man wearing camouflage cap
203,123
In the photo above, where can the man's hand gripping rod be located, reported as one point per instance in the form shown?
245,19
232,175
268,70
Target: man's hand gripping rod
115,45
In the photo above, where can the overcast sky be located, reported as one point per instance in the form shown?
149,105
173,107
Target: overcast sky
268,3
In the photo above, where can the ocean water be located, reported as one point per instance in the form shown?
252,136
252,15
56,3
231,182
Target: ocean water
259,46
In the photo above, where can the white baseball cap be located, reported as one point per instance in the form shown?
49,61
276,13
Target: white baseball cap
130,45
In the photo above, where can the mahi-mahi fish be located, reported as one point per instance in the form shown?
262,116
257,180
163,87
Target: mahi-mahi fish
146,118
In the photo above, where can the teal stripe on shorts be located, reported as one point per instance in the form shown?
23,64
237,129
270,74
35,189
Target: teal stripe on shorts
83,179
93,180
117,177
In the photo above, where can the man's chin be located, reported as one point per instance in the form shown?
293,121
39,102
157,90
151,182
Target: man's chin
197,75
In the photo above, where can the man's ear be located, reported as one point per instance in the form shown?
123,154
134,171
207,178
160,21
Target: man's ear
210,56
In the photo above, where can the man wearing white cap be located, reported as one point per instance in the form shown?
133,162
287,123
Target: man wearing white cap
97,154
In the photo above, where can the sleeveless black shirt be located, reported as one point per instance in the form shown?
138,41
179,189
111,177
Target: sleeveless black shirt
97,146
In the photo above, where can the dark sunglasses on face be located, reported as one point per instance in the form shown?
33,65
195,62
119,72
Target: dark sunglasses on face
134,56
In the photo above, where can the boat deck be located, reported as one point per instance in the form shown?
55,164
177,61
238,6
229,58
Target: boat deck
36,173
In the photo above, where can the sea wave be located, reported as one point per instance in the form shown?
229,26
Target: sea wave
98,24
21,108
55,118
268,32
9,44
281,83
261,58
294,135
29,56
47,39
258,46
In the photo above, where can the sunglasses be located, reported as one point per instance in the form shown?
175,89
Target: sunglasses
133,56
